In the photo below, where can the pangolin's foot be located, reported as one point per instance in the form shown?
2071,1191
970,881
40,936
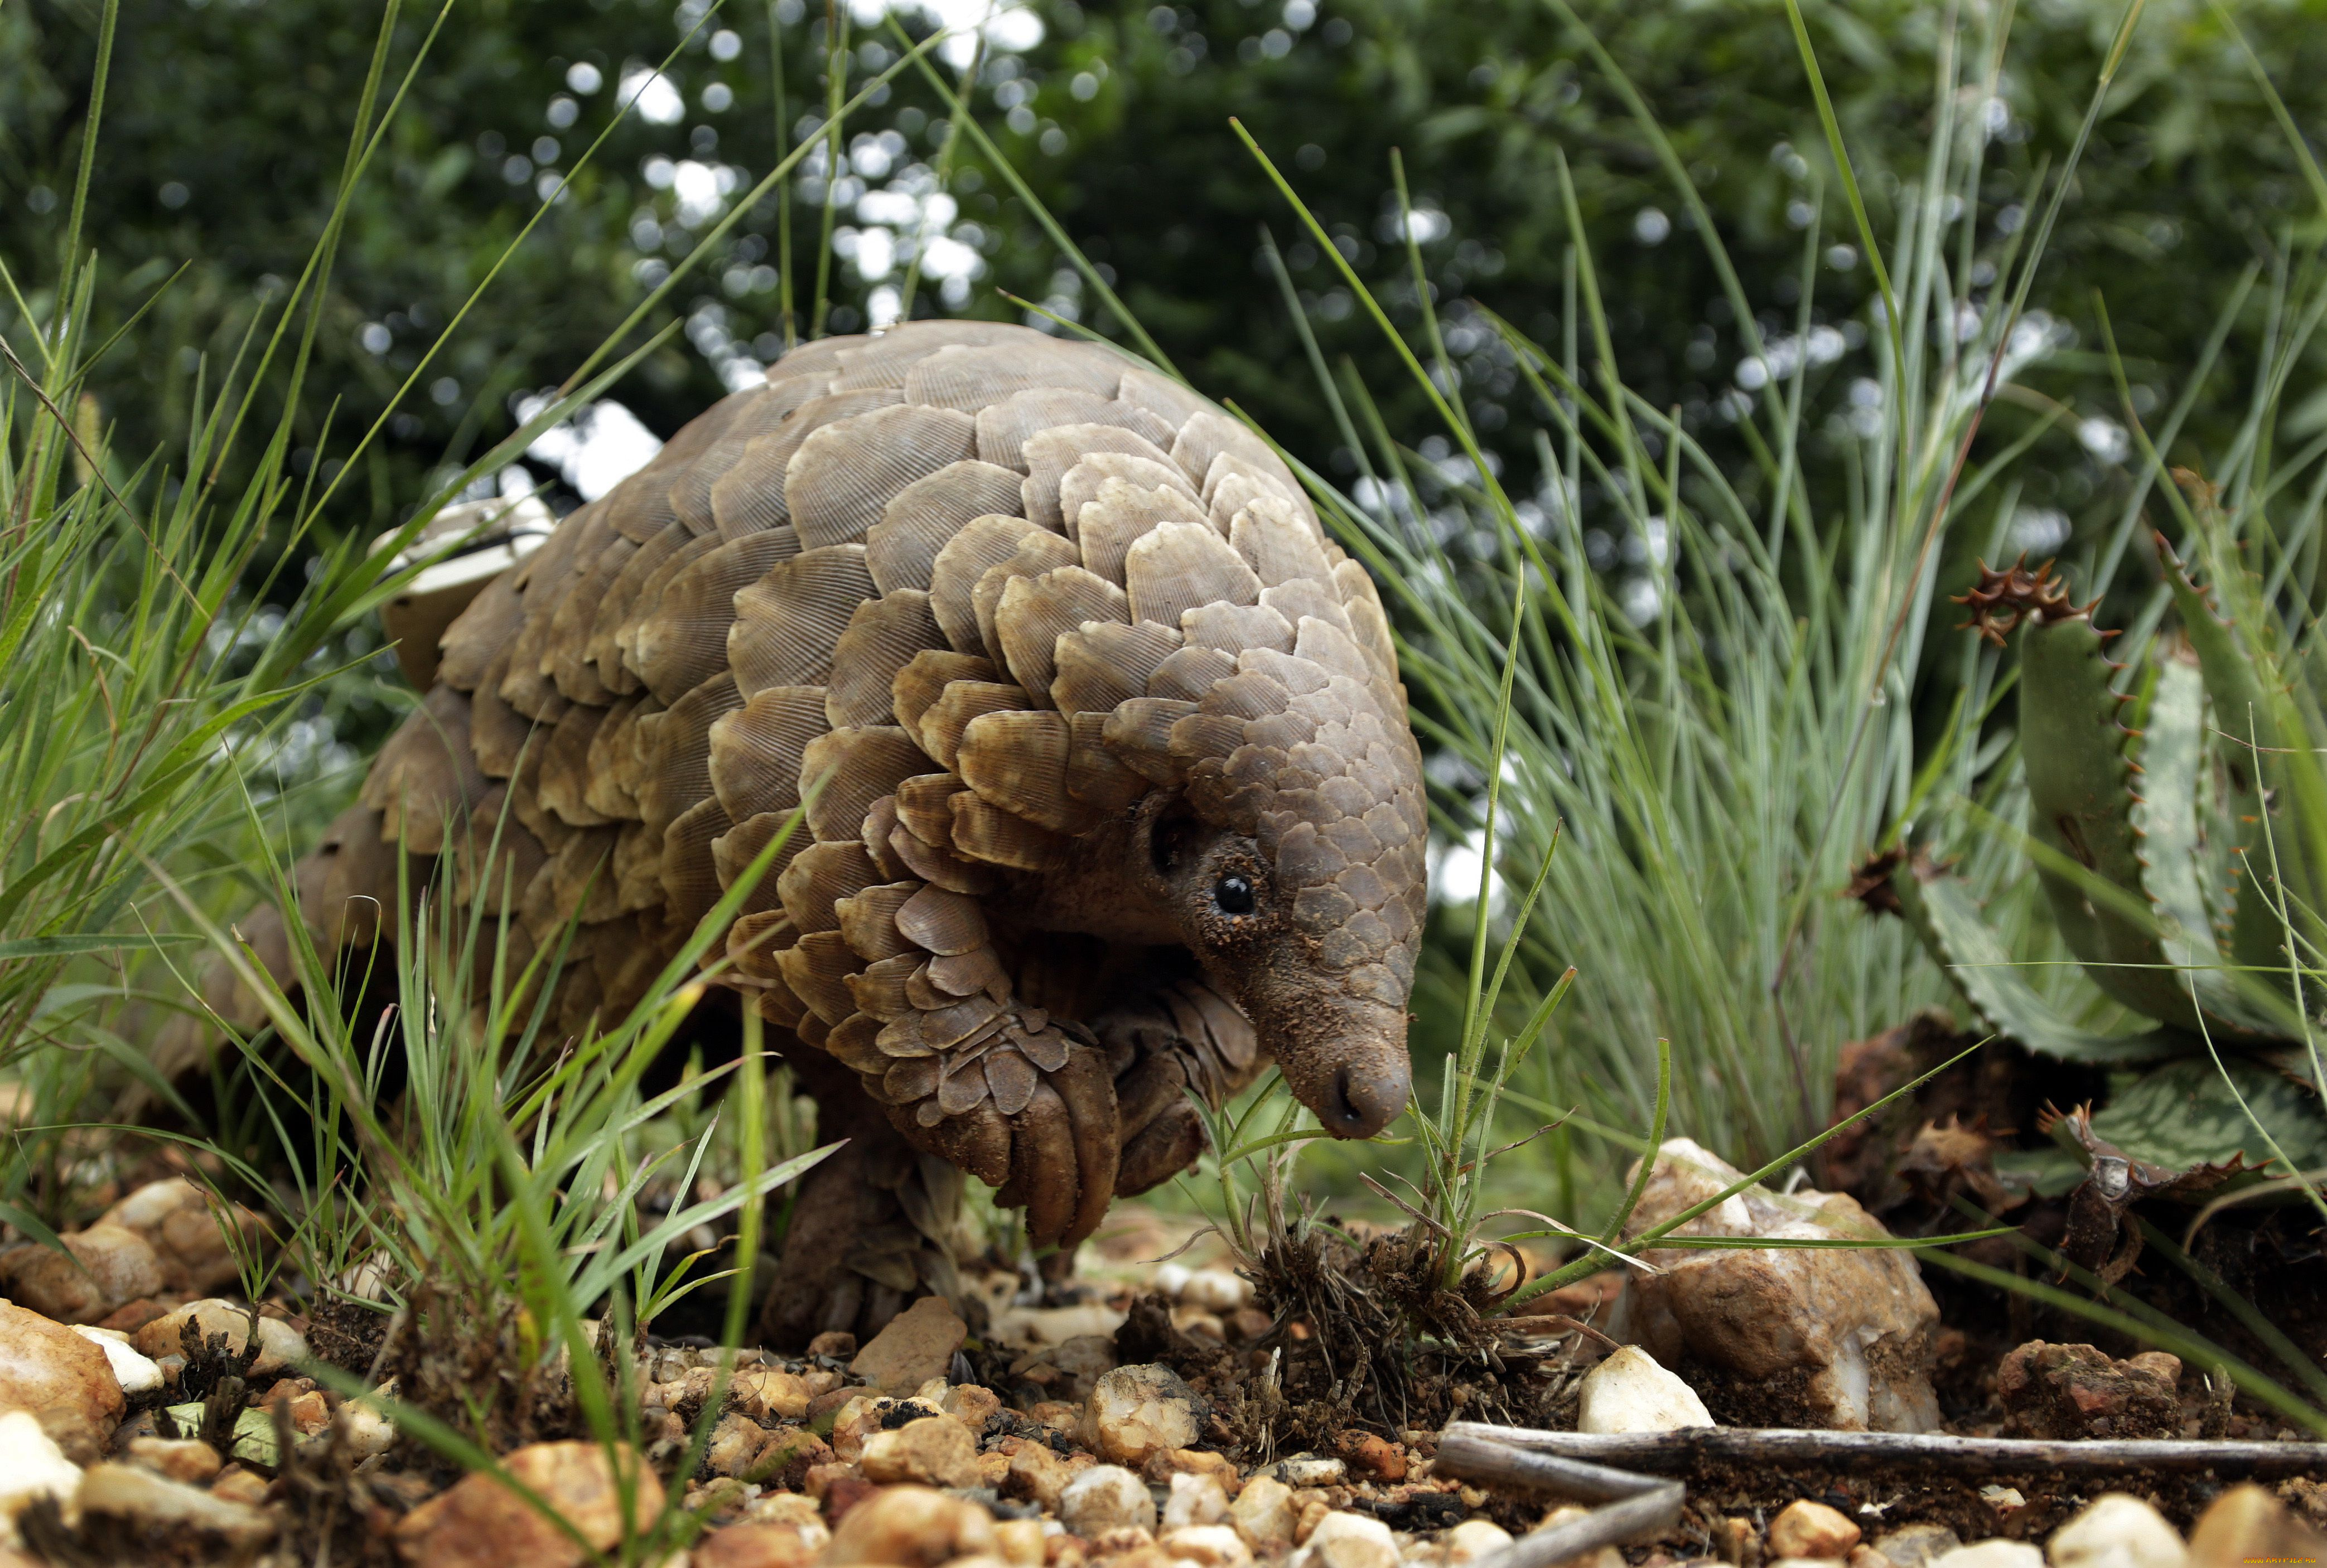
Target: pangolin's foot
871,1231
1180,1036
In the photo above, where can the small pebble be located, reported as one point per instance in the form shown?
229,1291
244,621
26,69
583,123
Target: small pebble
1992,1555
1807,1529
2117,1531
1104,1498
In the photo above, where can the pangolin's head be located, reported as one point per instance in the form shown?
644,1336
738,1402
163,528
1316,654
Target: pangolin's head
1287,844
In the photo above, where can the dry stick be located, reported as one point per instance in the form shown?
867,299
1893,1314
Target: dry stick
1633,1507
1671,1450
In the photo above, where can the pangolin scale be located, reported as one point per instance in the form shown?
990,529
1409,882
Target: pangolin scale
1109,787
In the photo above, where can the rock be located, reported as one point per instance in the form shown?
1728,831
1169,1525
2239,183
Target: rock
64,1380
182,1458
167,1512
136,1374
1807,1529
32,1466
1104,1498
789,1508
1039,1475
1020,1542
1344,1540
755,1546
1196,1499
1265,1515
1216,1289
1865,1556
280,1345
971,1406
1845,1334
788,1456
2247,1525
918,1344
238,1485
838,1344
2117,1531
177,1217
101,1268
936,1451
365,1429
1630,1392
1606,1556
1371,1458
1138,1410
1209,1546
1992,1555
911,1527
735,1443
760,1391
2078,1391
1473,1539
1306,1470
1916,1545
479,1523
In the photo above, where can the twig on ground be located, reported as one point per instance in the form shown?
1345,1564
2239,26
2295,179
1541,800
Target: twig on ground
1672,1450
1633,1507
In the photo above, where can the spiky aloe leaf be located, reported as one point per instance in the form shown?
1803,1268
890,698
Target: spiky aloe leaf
2185,1116
2082,794
1946,917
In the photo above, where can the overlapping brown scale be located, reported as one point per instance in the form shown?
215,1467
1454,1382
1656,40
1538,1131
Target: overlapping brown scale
494,858
525,799
1082,484
1037,554
639,507
1002,427
938,865
883,359
816,968
690,494
1172,402
576,618
913,1078
1011,1079
1101,665
943,720
1140,733
850,1043
537,908
923,678
538,575
1337,650
1277,545
1367,624
754,940
1122,513
756,750
881,638
880,987
615,610
1235,486
682,635
1095,775
565,766
1190,673
967,973
819,877
942,921
869,920
1178,566
921,807
1207,434
678,755
844,475
1034,612
690,876
977,547
749,497
1018,762
1235,627
851,769
482,632
1051,455
880,822
497,732
984,831
733,852
817,358
970,378
581,875
786,622
612,760
902,548
638,867
427,774
1305,596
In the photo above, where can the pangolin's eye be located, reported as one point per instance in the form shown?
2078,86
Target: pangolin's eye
1233,894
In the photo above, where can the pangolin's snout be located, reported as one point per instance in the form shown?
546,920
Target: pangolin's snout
1360,1101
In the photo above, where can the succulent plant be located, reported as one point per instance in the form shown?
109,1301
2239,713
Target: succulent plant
2177,820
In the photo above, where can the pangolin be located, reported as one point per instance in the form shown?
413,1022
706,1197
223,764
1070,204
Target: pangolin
1109,789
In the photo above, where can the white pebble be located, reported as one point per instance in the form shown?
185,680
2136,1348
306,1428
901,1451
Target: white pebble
32,1466
137,1372
1992,1555
2117,1531
1631,1391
